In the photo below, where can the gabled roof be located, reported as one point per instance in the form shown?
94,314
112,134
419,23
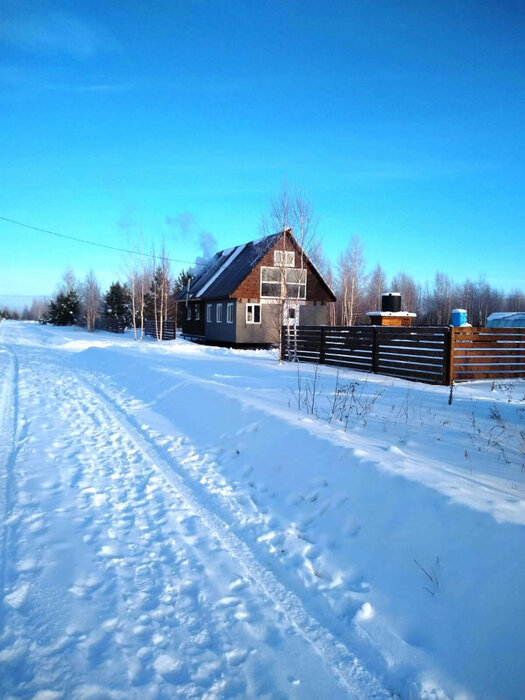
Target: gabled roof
225,271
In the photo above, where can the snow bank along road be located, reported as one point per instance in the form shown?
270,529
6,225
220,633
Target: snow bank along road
172,528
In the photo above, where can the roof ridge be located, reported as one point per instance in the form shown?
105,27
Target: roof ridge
231,257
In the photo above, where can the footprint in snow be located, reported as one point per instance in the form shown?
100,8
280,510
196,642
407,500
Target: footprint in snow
18,597
27,565
238,585
170,668
228,601
144,578
236,657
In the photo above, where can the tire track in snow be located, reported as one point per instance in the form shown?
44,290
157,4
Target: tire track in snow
232,511
8,453
337,657
109,466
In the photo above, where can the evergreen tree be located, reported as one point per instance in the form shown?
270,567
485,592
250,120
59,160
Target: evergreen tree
181,280
180,283
64,310
117,303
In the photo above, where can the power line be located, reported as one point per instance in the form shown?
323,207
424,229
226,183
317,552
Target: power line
93,243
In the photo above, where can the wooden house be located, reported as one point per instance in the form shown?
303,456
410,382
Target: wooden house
243,295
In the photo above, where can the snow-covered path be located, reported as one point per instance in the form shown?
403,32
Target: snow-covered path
174,526
117,581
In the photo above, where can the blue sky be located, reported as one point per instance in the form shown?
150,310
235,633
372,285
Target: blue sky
402,122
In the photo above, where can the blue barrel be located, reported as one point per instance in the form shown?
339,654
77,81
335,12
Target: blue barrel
458,317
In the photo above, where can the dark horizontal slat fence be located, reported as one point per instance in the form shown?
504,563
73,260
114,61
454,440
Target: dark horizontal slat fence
169,329
114,325
351,347
434,354
419,354
487,353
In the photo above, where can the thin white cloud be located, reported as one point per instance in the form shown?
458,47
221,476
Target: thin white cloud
54,32
95,87
23,82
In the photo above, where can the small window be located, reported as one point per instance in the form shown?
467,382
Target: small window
218,316
208,313
197,312
288,261
253,313
188,312
229,313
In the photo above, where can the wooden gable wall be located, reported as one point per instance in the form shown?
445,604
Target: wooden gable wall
250,287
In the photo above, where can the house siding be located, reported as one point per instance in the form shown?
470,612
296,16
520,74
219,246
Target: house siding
310,315
223,332
262,333
194,327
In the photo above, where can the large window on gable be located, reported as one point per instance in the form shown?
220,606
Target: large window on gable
295,283
270,282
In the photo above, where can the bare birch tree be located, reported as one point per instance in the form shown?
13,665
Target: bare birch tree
377,284
138,276
328,275
132,284
160,290
92,296
290,214
405,285
279,220
352,275
306,224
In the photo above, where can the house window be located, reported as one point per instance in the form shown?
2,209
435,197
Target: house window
188,312
229,313
218,316
294,280
295,283
270,282
253,313
208,313
197,311
287,261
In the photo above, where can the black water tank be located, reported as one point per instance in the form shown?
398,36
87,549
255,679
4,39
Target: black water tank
391,301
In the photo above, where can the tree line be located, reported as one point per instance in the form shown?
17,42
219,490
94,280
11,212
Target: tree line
149,288
149,295
358,287
358,290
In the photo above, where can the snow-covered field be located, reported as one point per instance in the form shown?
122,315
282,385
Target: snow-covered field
183,521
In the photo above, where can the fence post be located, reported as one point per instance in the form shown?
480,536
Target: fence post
449,357
322,350
283,340
375,350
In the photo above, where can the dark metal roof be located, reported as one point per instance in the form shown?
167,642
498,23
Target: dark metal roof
227,269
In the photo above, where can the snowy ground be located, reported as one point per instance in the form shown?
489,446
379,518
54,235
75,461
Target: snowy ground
182,521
